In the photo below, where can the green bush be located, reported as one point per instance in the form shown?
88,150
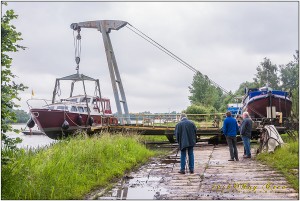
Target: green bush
195,109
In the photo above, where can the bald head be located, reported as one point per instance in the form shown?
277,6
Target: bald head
183,115
245,115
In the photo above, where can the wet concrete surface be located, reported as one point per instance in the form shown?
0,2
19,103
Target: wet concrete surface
215,178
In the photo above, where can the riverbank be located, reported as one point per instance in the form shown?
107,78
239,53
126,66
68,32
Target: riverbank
71,168
285,160
29,141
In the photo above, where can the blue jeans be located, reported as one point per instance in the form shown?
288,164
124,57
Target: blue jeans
183,158
246,141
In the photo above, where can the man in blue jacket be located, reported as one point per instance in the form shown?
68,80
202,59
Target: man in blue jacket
230,129
185,133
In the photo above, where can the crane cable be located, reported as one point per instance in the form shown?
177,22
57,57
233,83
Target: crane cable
161,48
168,52
77,47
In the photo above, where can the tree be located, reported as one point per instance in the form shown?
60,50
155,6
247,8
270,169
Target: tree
9,89
290,74
290,82
21,116
199,109
241,89
295,99
226,99
203,92
267,74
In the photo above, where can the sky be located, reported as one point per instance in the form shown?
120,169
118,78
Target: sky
224,40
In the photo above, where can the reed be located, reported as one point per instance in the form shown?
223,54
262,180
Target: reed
71,168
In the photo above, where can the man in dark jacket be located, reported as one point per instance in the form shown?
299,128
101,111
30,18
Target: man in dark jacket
245,130
185,133
230,129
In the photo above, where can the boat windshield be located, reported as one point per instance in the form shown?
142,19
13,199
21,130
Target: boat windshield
74,100
86,109
265,89
86,99
80,109
62,107
73,109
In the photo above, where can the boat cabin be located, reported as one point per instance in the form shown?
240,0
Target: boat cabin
83,104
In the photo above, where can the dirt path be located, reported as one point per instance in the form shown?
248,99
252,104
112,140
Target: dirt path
215,178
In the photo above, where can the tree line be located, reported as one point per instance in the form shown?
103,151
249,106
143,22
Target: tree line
21,116
207,98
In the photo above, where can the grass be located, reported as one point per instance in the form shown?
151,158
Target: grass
152,138
285,159
71,168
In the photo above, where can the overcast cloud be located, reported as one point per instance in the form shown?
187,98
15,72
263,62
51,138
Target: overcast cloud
224,40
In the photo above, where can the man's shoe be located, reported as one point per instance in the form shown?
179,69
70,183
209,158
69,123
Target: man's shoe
246,156
191,171
181,172
231,160
237,159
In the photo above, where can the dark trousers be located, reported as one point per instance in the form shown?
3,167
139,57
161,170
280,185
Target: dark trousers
231,141
190,151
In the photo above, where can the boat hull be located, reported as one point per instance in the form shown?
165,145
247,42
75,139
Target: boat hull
33,132
51,121
257,107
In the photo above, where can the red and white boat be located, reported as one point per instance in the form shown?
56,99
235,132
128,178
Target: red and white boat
81,112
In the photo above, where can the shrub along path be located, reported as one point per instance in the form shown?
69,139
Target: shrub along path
215,178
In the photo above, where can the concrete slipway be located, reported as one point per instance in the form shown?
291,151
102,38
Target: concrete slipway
215,178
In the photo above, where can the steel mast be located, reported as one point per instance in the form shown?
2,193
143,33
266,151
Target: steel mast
105,26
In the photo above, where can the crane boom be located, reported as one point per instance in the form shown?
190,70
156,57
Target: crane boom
107,25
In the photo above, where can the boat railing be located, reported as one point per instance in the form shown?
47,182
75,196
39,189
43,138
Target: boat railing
170,120
43,101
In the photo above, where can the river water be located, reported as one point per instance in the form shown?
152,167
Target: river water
30,141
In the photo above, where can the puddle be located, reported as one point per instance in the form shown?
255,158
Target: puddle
145,188
137,188
146,183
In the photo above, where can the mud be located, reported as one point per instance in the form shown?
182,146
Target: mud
215,178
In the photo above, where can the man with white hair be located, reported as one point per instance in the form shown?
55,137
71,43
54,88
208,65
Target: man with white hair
245,131
185,133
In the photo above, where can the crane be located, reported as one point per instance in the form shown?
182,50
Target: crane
105,26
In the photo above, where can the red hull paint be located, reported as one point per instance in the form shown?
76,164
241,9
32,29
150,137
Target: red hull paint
50,121
260,105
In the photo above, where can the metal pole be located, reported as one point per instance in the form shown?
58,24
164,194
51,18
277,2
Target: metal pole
108,51
86,102
72,88
175,158
54,91
119,81
100,96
